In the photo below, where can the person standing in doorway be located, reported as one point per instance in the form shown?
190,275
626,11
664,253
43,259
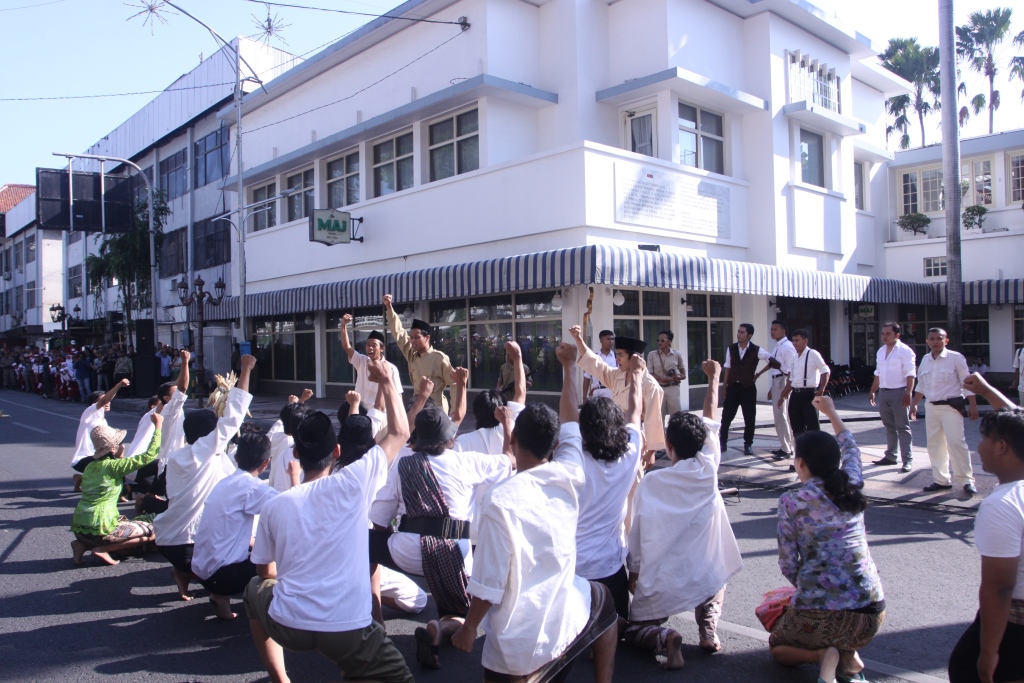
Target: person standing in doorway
592,387
1018,375
785,354
940,380
892,391
808,379
668,368
738,382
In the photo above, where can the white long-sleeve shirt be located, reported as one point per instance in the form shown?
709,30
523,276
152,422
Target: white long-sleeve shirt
892,370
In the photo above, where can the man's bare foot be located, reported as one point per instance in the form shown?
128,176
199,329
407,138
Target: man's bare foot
674,651
77,480
222,607
829,662
104,557
78,550
850,662
181,580
711,643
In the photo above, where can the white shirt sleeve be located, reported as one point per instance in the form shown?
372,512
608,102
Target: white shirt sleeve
264,549
998,530
217,441
493,555
569,453
385,507
909,362
762,353
258,497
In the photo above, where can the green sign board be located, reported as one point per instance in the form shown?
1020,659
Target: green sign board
328,226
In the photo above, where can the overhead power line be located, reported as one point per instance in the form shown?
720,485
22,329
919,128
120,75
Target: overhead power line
116,94
361,14
40,4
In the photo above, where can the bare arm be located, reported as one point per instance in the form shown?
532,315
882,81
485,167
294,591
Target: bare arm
712,369
998,578
577,335
353,399
426,389
569,403
343,334
398,425
508,423
396,329
825,405
183,376
977,384
586,387
106,398
460,377
464,638
874,390
306,395
247,364
515,354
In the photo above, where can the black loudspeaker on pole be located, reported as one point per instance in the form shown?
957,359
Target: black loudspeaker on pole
147,374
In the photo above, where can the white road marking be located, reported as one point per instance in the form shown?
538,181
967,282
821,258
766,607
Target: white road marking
34,429
888,669
40,410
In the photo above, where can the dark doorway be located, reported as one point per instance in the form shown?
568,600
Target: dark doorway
812,315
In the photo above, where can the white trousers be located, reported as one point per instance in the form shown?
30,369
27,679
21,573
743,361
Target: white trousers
670,402
782,426
408,596
946,443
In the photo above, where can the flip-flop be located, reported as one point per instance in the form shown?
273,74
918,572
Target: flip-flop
426,652
855,678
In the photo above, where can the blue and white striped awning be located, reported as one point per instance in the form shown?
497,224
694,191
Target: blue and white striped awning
589,265
986,292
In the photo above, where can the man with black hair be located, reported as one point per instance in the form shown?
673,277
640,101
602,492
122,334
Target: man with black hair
539,615
489,434
193,471
592,386
94,415
669,370
313,588
895,376
738,383
374,347
807,380
682,550
220,558
153,477
785,353
282,441
424,360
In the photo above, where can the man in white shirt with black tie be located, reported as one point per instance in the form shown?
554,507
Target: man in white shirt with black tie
895,374
785,353
940,379
808,379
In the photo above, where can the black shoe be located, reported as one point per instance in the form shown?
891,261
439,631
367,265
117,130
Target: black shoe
969,489
935,486
886,461
747,450
781,455
724,445
906,467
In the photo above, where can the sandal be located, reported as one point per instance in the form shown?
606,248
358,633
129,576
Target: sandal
426,652
852,678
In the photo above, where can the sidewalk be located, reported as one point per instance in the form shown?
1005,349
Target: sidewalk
885,483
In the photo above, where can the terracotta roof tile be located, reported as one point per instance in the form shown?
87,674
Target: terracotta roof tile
12,195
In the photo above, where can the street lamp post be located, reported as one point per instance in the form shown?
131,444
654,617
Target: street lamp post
200,298
59,315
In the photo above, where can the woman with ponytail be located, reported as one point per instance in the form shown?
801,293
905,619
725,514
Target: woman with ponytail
838,606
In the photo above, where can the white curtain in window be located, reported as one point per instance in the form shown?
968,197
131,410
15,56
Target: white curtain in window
642,134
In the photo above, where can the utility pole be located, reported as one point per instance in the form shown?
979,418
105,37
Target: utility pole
951,176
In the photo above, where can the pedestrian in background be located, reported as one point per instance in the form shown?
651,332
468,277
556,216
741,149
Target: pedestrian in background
892,391
940,379
667,367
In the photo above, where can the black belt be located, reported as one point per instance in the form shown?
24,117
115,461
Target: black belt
441,527
805,389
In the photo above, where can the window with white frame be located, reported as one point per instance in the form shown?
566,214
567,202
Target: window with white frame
454,145
709,331
934,266
812,81
701,139
641,314
640,135
812,158
921,190
393,165
30,248
1016,183
265,215
343,181
859,185
300,202
981,181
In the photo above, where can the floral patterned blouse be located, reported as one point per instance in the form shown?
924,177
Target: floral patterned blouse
823,551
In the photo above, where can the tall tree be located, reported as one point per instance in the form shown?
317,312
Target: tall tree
976,42
906,58
1017,63
124,258
951,178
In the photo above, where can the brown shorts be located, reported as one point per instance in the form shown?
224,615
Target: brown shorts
362,653
815,629
125,530
602,617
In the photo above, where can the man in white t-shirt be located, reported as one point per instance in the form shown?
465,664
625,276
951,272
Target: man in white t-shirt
539,615
281,439
1018,375
366,389
313,589
94,415
992,648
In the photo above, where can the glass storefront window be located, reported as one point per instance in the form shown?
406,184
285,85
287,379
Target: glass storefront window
974,337
453,311
642,315
536,305
365,320
491,308
709,331
539,340
285,348
487,351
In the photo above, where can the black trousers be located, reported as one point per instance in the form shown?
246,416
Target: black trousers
963,662
739,397
231,579
803,416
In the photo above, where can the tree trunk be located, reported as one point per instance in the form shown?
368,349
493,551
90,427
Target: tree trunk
991,102
951,178
920,118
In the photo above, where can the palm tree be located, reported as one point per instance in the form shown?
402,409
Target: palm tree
919,65
1017,63
976,42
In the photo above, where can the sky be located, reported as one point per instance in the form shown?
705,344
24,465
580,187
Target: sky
61,48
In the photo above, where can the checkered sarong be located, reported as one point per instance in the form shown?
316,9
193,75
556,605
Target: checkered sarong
443,565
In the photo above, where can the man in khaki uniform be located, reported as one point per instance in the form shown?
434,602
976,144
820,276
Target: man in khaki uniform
423,359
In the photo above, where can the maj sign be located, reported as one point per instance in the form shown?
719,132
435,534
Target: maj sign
330,227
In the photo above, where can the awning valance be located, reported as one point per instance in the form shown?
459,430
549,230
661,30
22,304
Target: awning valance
589,265
986,292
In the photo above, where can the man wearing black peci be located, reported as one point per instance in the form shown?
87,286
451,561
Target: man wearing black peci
740,368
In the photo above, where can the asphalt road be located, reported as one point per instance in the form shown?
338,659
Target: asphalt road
124,623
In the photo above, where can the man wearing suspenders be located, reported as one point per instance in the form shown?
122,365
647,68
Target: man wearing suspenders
808,379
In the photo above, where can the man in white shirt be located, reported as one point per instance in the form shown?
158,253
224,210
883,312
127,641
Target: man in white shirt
940,379
313,589
488,437
539,615
366,389
193,471
282,439
669,370
990,649
808,379
592,386
94,415
785,353
740,373
1018,375
682,550
892,391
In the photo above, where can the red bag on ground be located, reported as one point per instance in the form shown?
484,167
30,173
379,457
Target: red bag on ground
772,606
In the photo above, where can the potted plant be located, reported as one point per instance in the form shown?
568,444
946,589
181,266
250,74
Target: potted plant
974,216
915,223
